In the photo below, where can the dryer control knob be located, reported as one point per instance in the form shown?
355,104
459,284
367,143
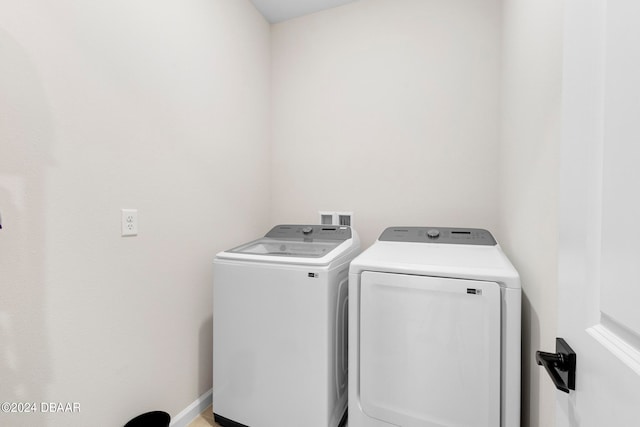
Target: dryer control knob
307,230
433,233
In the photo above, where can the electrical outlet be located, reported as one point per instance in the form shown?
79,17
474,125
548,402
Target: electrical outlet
129,222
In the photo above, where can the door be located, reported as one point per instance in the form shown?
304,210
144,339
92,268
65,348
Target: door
430,351
599,246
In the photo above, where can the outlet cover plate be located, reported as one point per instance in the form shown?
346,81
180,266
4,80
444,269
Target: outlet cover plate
129,222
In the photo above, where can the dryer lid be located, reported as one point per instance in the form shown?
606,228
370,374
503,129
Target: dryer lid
460,253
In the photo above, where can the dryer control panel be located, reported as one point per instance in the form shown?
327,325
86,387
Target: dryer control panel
308,232
445,235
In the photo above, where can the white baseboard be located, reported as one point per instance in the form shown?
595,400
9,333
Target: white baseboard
191,412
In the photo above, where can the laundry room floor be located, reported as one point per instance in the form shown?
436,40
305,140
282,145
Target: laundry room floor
205,419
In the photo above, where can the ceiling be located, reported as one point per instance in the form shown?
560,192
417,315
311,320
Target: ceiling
280,10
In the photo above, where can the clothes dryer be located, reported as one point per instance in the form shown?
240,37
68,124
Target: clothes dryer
434,331
280,313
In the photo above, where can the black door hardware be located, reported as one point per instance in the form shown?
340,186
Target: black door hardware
561,365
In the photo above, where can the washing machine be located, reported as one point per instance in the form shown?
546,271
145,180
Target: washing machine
280,328
434,331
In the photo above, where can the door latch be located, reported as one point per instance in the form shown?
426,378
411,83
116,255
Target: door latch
561,365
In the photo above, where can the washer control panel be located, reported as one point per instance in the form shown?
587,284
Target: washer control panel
307,232
446,235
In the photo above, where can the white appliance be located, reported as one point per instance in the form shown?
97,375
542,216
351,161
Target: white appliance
280,313
434,331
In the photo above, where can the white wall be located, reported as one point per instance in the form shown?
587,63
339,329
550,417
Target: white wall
531,93
156,105
388,108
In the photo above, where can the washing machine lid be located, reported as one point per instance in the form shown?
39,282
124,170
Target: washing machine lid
289,243
461,253
291,248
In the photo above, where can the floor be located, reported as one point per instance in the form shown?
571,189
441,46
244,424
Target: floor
205,419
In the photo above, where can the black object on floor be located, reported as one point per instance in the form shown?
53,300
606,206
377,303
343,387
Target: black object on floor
150,419
226,422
